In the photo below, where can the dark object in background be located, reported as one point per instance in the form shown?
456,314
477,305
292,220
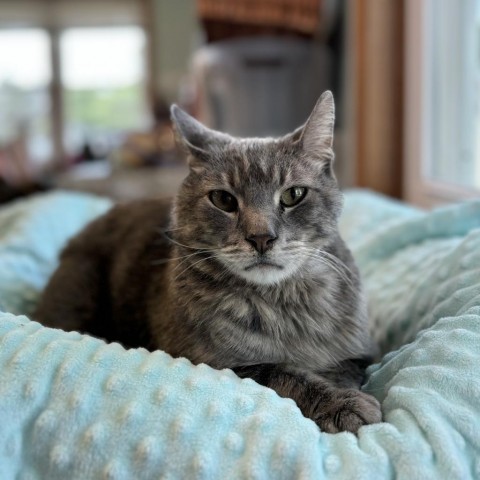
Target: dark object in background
265,63
260,86
224,19
12,192
18,177
151,148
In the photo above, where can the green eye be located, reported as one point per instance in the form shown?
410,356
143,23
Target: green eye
293,196
223,200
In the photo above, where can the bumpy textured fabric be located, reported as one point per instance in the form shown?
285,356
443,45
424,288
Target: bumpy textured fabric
32,233
73,407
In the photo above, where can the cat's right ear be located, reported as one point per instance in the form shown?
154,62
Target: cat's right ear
198,140
316,136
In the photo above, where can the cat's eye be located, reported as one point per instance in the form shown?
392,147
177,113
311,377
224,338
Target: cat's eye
293,196
223,200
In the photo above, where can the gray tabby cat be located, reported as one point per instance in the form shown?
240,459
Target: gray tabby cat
247,271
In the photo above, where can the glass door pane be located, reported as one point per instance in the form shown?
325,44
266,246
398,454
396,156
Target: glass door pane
25,75
103,77
455,92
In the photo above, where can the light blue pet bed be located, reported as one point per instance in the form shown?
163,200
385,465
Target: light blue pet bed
72,407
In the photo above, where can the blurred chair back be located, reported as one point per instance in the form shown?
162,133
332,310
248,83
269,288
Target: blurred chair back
260,86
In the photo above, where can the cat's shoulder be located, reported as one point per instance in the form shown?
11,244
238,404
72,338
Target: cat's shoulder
124,223
145,212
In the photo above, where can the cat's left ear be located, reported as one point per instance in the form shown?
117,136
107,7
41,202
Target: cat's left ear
195,137
316,136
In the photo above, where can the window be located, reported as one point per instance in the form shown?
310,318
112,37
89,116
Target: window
443,100
24,91
73,77
455,93
103,85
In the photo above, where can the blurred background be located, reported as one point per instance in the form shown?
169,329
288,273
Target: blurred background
85,87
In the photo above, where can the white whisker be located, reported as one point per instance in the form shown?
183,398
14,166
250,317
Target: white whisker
191,255
166,260
192,265
338,262
175,242
328,261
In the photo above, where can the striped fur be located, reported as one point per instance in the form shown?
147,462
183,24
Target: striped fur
187,281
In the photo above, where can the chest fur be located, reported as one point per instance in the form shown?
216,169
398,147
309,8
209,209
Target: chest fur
303,328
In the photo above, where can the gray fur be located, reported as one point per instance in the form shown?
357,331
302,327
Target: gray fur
188,281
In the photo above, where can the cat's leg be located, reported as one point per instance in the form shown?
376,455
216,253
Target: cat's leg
333,407
72,299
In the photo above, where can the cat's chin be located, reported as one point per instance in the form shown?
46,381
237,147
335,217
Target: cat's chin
266,275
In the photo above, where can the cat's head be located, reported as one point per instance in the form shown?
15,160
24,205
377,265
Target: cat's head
262,207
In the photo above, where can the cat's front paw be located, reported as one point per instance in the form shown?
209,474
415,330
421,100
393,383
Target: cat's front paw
348,410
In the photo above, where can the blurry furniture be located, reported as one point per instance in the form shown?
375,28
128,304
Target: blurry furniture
259,86
122,184
15,169
265,63
226,19
147,164
18,177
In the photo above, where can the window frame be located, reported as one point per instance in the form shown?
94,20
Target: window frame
417,188
53,18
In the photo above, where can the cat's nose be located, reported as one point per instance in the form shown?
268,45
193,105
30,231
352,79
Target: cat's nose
261,243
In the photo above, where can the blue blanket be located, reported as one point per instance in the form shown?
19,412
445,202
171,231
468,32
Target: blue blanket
73,407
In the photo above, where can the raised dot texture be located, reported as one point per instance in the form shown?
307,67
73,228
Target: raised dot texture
234,442
281,448
245,403
76,401
66,371
59,457
260,421
19,359
94,435
131,412
162,396
419,356
332,464
145,449
215,409
30,390
113,471
179,364
115,383
100,355
253,472
192,383
147,370
46,421
248,381
180,426
73,335
227,372
199,466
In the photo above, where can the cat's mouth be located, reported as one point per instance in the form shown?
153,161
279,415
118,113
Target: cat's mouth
262,264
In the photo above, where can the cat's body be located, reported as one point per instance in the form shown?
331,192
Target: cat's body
239,279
